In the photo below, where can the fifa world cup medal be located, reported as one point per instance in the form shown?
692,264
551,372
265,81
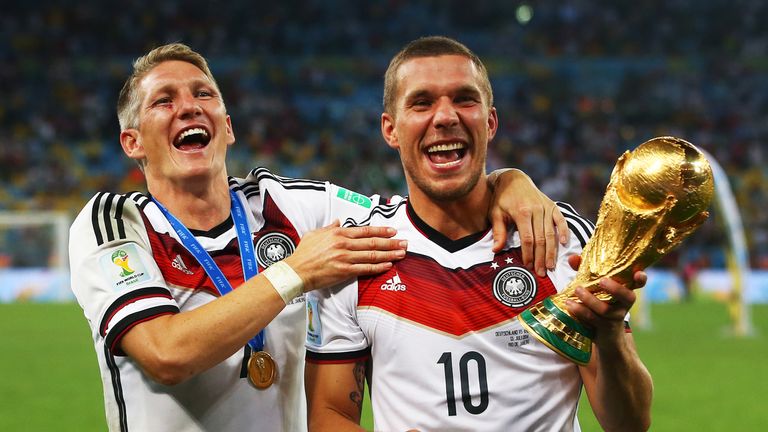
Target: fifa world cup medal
262,370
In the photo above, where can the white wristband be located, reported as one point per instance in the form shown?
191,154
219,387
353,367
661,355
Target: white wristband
285,280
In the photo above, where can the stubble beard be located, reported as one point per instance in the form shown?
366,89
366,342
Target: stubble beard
438,194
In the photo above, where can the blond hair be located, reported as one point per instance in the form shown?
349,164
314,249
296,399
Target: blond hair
129,100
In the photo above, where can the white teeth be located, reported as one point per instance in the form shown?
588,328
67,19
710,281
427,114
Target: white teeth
192,131
445,147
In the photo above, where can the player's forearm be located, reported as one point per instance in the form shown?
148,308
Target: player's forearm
334,395
173,348
623,390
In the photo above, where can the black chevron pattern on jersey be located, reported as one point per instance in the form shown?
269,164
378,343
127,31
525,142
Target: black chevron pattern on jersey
139,198
251,188
582,228
107,217
236,186
386,210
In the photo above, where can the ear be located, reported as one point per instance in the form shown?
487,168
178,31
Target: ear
230,132
388,131
129,140
493,123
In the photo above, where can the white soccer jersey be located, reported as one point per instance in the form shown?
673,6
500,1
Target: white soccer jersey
447,351
129,266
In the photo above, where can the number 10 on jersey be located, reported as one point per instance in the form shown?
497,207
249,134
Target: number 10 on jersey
464,379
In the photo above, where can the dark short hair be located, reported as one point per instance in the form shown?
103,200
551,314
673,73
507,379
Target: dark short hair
431,46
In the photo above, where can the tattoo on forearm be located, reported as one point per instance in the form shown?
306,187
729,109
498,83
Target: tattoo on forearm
357,396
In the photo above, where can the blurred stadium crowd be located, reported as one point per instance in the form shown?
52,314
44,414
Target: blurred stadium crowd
576,83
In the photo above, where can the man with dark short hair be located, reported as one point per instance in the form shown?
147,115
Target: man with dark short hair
437,335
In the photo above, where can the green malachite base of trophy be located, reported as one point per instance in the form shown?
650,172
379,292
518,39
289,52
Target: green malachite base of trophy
559,331
657,196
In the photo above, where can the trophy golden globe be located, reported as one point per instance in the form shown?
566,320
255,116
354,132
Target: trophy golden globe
658,195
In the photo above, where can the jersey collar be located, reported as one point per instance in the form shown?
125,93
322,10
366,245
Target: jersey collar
438,238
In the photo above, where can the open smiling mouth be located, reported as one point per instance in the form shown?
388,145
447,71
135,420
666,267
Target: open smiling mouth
445,155
192,139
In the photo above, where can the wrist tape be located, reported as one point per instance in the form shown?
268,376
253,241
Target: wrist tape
285,280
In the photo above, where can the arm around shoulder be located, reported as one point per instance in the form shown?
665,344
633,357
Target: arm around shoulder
517,201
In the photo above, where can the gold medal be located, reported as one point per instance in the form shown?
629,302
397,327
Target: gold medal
262,370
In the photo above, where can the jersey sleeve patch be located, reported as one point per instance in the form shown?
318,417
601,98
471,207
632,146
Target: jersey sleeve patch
314,326
125,266
353,197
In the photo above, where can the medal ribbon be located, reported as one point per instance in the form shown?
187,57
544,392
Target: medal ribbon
247,254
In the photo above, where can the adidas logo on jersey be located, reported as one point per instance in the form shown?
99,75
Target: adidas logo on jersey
394,284
178,264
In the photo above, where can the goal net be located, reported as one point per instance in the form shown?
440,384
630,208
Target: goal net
33,256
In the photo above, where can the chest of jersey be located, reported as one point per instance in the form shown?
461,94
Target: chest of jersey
276,239
445,339
454,301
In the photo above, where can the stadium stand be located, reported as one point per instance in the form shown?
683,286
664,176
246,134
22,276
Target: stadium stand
576,86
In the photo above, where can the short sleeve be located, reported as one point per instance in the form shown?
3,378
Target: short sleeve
113,274
333,333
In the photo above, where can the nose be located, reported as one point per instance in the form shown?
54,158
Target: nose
189,106
445,113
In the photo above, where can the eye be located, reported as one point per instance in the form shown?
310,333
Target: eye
204,94
421,103
165,100
466,100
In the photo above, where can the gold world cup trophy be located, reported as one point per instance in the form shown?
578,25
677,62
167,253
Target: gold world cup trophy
657,196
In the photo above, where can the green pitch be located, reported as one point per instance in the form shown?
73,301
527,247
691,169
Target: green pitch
705,379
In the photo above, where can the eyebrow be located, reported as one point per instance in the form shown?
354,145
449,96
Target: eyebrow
169,87
463,90
417,94
468,89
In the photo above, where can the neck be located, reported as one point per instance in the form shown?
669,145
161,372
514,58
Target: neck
457,218
200,208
